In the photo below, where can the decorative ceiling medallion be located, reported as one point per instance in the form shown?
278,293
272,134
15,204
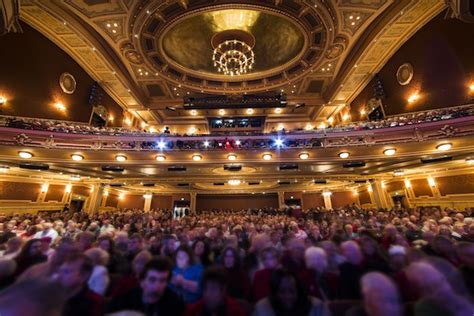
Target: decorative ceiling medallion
131,54
405,74
67,83
179,48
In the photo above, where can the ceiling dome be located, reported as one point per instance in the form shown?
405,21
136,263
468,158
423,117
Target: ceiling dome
187,43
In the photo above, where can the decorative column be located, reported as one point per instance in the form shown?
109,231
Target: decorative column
66,199
433,187
327,200
192,203
95,199
281,199
43,192
380,197
147,205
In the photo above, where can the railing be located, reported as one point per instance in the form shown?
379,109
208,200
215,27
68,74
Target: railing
439,124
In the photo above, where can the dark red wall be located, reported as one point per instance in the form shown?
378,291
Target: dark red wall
30,67
441,55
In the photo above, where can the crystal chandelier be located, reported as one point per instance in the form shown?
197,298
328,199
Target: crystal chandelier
233,52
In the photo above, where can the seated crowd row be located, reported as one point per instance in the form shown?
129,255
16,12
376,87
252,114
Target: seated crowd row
347,261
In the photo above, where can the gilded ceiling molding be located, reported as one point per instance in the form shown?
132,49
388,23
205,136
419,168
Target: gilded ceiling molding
378,46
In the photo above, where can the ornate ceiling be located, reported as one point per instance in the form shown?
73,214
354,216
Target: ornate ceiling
148,54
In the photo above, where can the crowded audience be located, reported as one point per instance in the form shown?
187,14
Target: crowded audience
347,261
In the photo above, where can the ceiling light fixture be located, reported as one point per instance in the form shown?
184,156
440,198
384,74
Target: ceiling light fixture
25,154
234,182
470,161
278,110
250,111
344,155
267,156
221,112
77,157
60,106
398,173
160,157
389,152
194,112
197,157
303,156
121,158
233,56
412,98
444,146
231,156
3,100
278,142
4,169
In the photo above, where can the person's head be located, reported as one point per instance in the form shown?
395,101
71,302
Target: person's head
214,283
380,295
74,273
98,256
32,297
85,240
425,279
296,248
397,257
230,258
140,261
32,248
286,292
14,244
105,243
154,279
316,259
201,249
368,246
184,257
135,243
350,249
269,257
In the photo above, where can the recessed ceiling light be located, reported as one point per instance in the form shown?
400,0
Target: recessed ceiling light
77,157
221,112
267,156
444,147
3,100
197,157
234,182
120,158
232,157
389,152
160,157
278,110
25,154
344,155
194,112
249,111
303,156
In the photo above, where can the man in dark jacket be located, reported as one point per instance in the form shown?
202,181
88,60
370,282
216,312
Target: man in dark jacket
153,297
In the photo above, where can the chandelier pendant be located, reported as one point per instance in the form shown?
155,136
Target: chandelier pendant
233,52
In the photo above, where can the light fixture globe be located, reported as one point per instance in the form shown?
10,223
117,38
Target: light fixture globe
233,52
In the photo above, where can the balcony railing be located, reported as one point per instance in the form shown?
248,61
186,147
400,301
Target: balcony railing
435,124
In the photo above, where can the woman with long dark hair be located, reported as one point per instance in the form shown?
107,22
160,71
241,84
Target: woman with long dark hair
202,252
238,283
30,254
288,298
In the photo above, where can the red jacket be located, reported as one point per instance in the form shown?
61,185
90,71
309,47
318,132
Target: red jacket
232,308
261,284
